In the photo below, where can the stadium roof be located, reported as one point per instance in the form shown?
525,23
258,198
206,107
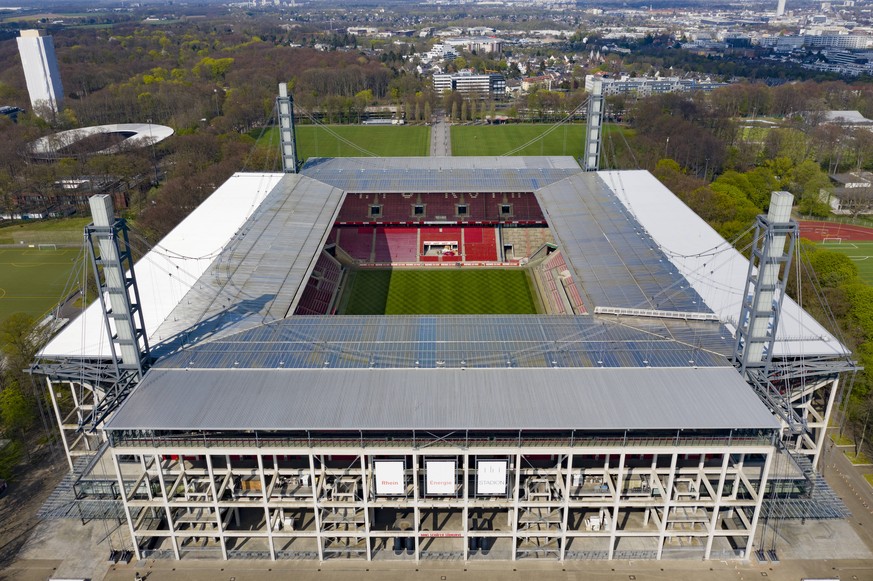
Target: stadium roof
712,266
173,267
614,260
443,399
458,341
441,174
135,135
262,272
229,276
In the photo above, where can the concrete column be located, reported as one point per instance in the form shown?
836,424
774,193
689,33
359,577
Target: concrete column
124,500
60,422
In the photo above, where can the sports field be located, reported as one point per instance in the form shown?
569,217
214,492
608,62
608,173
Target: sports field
501,139
861,254
439,292
67,231
33,281
387,141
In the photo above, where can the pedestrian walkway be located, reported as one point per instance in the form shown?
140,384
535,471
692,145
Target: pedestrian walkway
440,142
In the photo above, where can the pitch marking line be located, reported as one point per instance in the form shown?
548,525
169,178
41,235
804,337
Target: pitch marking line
2,292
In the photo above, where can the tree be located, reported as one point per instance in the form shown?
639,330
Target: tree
215,69
20,340
16,410
812,187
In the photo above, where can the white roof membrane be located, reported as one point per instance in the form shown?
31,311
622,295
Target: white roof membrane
169,270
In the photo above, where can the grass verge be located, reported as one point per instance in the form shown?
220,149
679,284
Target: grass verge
840,440
859,459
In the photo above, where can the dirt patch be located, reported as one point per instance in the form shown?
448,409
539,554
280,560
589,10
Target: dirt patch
29,487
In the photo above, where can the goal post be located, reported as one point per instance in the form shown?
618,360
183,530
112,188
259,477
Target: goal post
47,246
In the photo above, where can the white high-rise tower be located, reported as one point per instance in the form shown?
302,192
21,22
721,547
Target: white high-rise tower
41,72
780,9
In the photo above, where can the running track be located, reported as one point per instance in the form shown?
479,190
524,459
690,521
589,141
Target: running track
816,231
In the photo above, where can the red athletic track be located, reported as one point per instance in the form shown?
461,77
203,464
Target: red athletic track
816,231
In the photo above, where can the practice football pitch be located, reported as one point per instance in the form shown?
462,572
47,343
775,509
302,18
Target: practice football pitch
501,139
33,281
439,292
386,141
861,254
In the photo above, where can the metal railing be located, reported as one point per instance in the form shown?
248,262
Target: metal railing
461,443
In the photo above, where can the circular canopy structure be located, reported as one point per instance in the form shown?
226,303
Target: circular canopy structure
100,139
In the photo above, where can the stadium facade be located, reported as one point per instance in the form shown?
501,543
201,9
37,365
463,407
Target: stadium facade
614,424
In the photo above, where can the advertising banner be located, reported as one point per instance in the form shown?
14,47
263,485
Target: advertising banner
491,477
390,479
440,477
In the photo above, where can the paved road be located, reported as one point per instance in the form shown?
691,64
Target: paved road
849,484
440,143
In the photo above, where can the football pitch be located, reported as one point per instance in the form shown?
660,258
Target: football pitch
386,141
439,292
33,281
501,139
861,254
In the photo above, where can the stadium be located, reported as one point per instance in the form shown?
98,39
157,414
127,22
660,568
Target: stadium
484,358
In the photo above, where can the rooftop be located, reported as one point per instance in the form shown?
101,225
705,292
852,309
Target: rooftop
220,291
443,399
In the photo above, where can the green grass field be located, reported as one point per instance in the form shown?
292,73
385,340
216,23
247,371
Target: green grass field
33,281
861,254
439,292
388,141
63,231
500,139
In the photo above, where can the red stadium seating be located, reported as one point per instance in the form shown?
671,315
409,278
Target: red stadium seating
480,244
403,244
357,242
321,288
561,289
396,244
400,208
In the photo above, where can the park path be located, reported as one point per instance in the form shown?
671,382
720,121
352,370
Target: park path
440,144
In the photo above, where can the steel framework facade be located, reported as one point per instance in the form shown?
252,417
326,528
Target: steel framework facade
590,498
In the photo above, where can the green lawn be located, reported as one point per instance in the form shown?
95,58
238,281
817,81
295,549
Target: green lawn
387,141
861,254
500,139
63,231
33,281
859,459
439,292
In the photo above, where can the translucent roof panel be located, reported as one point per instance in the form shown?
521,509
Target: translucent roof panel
486,341
260,275
441,174
615,261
